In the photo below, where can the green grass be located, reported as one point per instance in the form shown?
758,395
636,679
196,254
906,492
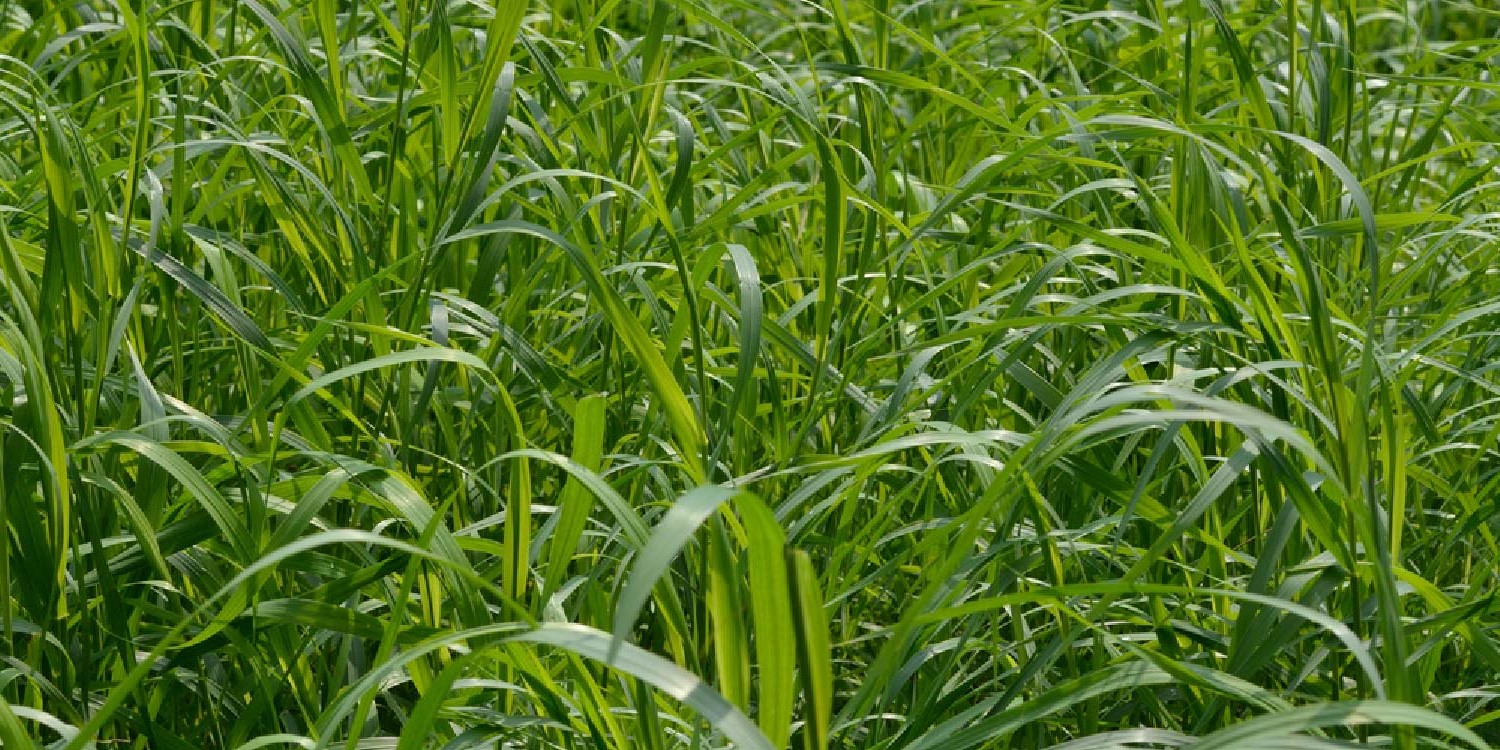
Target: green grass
837,375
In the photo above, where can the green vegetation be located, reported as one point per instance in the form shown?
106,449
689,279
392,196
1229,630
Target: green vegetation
817,374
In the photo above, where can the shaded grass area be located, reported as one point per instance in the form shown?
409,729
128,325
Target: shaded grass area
1085,374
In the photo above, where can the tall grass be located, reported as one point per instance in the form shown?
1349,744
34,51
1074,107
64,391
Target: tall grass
759,373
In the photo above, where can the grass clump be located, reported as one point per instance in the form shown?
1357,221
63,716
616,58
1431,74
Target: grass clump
755,373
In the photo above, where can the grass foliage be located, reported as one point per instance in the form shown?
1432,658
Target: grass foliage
851,374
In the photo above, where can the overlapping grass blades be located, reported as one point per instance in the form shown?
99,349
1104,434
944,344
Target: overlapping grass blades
1083,374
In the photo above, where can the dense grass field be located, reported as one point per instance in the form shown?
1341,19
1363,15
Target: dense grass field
766,374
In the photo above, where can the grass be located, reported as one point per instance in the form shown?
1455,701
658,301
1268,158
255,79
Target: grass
1072,374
